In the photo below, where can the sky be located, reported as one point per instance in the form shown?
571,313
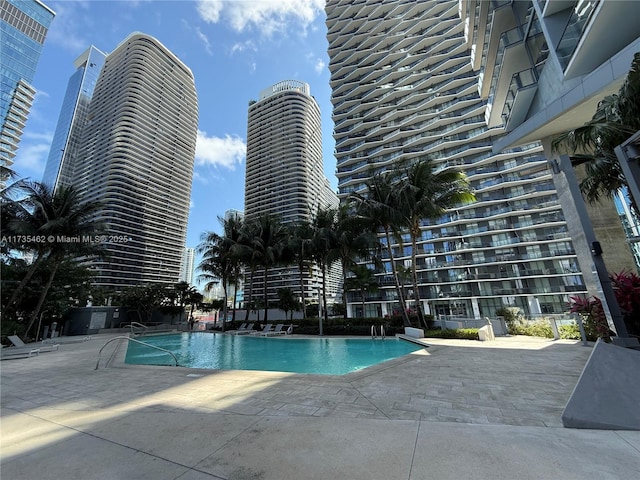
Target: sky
234,48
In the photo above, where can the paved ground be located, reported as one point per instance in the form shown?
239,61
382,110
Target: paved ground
458,410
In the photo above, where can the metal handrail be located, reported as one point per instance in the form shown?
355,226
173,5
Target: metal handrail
138,325
137,341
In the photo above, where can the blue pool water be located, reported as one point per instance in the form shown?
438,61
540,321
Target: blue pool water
328,356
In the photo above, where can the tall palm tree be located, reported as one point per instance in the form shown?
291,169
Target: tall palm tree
244,252
617,117
426,194
354,242
380,206
300,245
323,242
266,248
53,218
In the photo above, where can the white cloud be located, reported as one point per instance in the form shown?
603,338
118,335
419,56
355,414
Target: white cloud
68,22
320,65
205,41
242,46
226,152
266,16
32,153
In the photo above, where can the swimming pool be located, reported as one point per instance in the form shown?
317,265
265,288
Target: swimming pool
328,356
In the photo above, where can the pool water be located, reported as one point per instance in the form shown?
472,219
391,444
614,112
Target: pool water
328,356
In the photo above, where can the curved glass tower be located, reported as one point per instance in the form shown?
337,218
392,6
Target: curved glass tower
137,157
404,88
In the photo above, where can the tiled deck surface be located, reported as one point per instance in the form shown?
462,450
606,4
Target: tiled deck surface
457,410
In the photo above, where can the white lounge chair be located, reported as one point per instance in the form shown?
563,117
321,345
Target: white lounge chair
265,331
18,352
239,329
277,331
244,331
41,347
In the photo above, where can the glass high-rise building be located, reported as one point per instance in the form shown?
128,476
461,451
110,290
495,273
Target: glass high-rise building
404,89
136,158
284,172
66,144
23,29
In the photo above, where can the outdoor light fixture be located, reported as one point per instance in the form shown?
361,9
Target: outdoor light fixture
596,249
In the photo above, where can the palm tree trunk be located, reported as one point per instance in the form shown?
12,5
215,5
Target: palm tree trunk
324,298
304,310
41,299
224,306
16,293
248,303
235,298
266,297
416,291
344,288
403,306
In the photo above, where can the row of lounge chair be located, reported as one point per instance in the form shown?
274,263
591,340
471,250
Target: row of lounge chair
267,330
19,349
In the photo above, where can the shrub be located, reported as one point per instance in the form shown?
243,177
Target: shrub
569,332
512,317
460,333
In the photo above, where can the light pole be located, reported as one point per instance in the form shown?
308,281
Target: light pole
39,323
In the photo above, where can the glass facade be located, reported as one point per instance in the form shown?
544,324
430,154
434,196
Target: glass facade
73,116
23,28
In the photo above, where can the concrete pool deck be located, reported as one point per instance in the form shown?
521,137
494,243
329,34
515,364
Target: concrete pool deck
458,410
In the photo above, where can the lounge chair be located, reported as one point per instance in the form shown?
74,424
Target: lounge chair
277,331
19,352
243,331
265,330
18,343
239,329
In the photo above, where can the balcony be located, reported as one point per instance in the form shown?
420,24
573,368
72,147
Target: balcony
522,89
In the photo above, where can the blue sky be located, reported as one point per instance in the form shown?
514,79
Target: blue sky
234,49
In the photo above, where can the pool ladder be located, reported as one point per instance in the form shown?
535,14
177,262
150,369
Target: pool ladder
374,333
175,359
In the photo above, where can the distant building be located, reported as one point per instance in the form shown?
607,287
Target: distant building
136,158
23,28
66,142
187,266
285,173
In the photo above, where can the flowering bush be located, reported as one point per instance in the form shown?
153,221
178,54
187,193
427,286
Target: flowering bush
626,286
593,317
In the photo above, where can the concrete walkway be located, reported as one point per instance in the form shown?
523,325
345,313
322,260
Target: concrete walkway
458,410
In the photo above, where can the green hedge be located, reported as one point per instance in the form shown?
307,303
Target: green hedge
460,333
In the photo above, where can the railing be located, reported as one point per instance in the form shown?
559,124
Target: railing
143,328
374,333
136,341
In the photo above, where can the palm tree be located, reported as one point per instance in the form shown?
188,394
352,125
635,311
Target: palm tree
52,218
426,194
617,117
354,241
266,249
300,246
379,205
323,242
364,281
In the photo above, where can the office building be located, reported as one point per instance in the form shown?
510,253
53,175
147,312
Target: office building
65,145
136,158
23,29
284,171
404,88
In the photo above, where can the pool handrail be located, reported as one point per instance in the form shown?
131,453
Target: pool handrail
122,337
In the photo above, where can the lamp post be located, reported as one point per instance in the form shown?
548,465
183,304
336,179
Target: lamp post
39,324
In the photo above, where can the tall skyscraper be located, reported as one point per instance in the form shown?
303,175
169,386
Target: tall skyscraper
284,169
65,146
187,266
23,29
404,89
136,159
